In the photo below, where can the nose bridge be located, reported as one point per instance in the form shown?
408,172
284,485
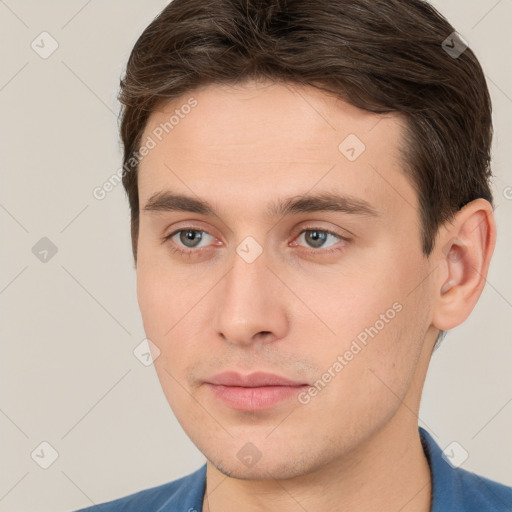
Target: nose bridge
250,304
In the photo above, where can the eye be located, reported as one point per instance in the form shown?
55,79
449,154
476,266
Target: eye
186,240
317,238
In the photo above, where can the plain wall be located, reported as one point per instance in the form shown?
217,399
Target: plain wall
69,325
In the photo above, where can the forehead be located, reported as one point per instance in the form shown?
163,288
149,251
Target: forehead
279,138
253,114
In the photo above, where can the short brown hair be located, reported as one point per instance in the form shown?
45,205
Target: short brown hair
379,55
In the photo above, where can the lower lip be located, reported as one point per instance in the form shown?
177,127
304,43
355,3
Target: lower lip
254,399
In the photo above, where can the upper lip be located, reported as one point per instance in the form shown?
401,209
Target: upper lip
253,380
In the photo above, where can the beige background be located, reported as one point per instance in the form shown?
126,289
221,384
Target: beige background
69,325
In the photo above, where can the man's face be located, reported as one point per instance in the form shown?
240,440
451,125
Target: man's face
345,316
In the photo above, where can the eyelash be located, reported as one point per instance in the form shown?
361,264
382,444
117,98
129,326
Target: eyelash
197,252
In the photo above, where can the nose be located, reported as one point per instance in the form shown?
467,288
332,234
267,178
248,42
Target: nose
251,304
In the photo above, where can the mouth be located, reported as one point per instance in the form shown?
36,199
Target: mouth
253,392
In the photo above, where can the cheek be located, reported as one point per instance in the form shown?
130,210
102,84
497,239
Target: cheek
164,294
159,304
173,313
379,318
163,311
153,297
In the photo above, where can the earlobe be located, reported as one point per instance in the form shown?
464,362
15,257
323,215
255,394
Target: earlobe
464,250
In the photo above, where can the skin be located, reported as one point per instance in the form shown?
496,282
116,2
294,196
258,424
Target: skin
297,307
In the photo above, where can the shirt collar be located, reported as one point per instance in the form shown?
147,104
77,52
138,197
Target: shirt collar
442,473
189,496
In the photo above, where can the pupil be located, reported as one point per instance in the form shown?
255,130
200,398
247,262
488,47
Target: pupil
190,236
317,238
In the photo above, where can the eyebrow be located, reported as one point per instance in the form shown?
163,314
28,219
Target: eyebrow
166,201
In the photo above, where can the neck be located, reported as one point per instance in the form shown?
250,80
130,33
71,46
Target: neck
387,472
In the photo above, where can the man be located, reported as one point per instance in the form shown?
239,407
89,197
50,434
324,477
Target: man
311,211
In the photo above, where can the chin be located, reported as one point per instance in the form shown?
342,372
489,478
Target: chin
276,466
262,471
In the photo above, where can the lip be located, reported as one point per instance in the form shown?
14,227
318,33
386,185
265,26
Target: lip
253,392
253,380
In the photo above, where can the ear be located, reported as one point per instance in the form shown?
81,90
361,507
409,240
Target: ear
463,252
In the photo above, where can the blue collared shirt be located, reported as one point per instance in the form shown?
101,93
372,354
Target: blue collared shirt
453,490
